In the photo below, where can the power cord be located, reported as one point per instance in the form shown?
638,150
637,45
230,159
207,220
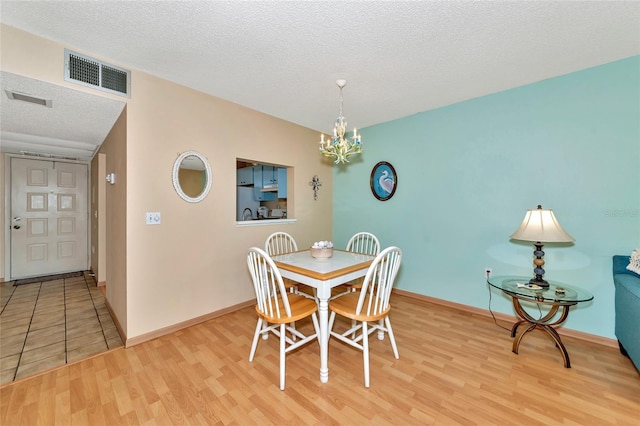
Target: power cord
491,312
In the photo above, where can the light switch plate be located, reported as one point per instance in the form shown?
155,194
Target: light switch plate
153,218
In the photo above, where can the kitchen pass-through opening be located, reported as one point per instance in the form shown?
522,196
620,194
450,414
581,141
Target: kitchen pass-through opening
261,191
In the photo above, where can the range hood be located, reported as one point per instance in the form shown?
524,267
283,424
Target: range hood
269,188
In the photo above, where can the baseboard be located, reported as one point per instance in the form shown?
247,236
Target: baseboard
182,325
114,317
592,338
465,308
95,277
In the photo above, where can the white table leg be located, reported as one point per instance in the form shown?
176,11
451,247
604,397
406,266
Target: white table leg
323,314
324,293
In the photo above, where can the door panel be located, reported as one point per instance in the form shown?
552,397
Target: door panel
49,217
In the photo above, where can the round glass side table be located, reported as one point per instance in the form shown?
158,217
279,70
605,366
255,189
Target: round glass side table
557,296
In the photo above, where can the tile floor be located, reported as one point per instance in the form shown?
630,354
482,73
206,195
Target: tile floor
48,324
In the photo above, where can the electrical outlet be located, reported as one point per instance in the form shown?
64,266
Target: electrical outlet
488,272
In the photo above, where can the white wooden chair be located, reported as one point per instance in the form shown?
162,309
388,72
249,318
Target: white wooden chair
282,243
369,307
364,243
278,309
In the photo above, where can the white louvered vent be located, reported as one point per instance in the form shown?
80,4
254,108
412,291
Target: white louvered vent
46,155
91,72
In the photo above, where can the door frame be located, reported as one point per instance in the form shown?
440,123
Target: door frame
7,207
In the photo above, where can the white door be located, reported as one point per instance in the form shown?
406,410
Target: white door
48,217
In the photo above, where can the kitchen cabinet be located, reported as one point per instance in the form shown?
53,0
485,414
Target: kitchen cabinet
265,176
244,176
258,195
257,176
260,176
269,176
282,182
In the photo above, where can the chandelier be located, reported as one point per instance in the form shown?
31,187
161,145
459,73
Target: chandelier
339,146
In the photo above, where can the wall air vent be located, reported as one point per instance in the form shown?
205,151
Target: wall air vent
91,72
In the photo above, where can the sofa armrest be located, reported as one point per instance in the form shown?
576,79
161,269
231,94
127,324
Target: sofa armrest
620,263
631,286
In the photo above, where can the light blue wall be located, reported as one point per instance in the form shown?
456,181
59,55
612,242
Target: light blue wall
468,172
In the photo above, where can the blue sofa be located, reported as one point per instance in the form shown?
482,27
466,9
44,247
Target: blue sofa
627,308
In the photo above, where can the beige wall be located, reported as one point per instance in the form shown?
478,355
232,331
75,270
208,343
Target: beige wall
98,218
114,149
193,263
3,180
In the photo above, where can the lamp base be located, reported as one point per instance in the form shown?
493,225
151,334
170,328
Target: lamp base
538,280
539,263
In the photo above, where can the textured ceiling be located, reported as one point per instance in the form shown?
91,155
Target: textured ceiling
283,58
75,125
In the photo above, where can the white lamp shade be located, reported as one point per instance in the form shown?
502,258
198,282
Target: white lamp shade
541,225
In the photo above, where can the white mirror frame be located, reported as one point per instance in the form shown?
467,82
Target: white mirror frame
176,182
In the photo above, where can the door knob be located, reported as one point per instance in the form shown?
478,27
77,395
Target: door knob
16,226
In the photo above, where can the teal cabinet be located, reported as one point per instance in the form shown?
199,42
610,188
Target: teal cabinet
260,175
269,176
263,177
258,195
282,182
245,176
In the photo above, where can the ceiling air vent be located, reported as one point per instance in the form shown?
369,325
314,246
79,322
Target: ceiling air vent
19,96
91,72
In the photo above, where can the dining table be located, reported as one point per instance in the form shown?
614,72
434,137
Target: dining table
323,274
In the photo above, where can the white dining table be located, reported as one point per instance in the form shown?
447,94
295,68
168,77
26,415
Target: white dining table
323,275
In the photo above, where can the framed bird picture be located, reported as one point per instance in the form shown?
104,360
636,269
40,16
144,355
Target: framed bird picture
384,181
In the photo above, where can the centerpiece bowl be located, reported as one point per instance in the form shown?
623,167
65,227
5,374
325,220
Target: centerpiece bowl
321,253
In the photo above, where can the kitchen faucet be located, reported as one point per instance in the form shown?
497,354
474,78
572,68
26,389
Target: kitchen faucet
244,214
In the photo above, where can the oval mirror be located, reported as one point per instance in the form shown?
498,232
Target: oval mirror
192,176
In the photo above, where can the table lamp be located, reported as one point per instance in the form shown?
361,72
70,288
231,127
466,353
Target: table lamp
540,226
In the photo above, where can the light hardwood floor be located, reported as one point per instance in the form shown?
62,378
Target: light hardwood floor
455,367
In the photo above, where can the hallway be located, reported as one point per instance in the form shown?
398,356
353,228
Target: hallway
47,324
